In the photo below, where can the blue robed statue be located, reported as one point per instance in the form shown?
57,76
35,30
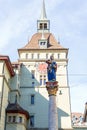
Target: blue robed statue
51,69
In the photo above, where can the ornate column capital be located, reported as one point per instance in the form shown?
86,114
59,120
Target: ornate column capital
52,87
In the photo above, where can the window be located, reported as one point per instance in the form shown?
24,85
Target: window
26,56
20,119
58,56
40,81
42,43
33,84
38,56
32,121
40,76
44,81
14,118
32,99
32,56
9,118
45,26
46,56
41,26
44,76
33,74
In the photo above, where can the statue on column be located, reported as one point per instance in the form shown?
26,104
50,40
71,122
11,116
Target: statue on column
51,69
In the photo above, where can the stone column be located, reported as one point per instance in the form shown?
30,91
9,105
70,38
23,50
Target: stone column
52,88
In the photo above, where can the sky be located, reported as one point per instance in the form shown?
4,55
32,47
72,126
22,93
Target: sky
68,19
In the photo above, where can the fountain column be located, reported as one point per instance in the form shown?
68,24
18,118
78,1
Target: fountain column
52,88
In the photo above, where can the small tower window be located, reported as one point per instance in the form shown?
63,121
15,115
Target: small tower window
33,74
45,25
32,99
41,26
33,84
42,43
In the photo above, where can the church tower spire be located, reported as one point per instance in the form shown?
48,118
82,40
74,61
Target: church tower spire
43,12
43,24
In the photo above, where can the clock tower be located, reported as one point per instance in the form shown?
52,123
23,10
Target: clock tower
33,76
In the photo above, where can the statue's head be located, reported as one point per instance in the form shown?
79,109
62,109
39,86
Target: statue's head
52,57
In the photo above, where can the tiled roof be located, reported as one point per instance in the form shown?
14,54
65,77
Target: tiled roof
16,108
52,42
77,119
77,114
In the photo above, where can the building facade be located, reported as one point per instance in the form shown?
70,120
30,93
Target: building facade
25,103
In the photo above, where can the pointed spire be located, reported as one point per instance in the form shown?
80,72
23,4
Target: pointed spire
43,12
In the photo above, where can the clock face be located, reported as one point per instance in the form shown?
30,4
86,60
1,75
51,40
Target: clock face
42,67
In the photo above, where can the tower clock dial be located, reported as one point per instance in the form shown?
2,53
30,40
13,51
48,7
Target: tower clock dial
42,68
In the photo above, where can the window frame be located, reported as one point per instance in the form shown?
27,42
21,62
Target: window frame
32,56
32,99
26,55
41,82
45,25
32,119
14,119
33,84
41,25
33,74
9,118
20,119
44,81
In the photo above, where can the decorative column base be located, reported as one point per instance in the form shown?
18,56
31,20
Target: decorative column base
52,88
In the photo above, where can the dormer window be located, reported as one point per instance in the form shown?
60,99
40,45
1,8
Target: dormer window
43,43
